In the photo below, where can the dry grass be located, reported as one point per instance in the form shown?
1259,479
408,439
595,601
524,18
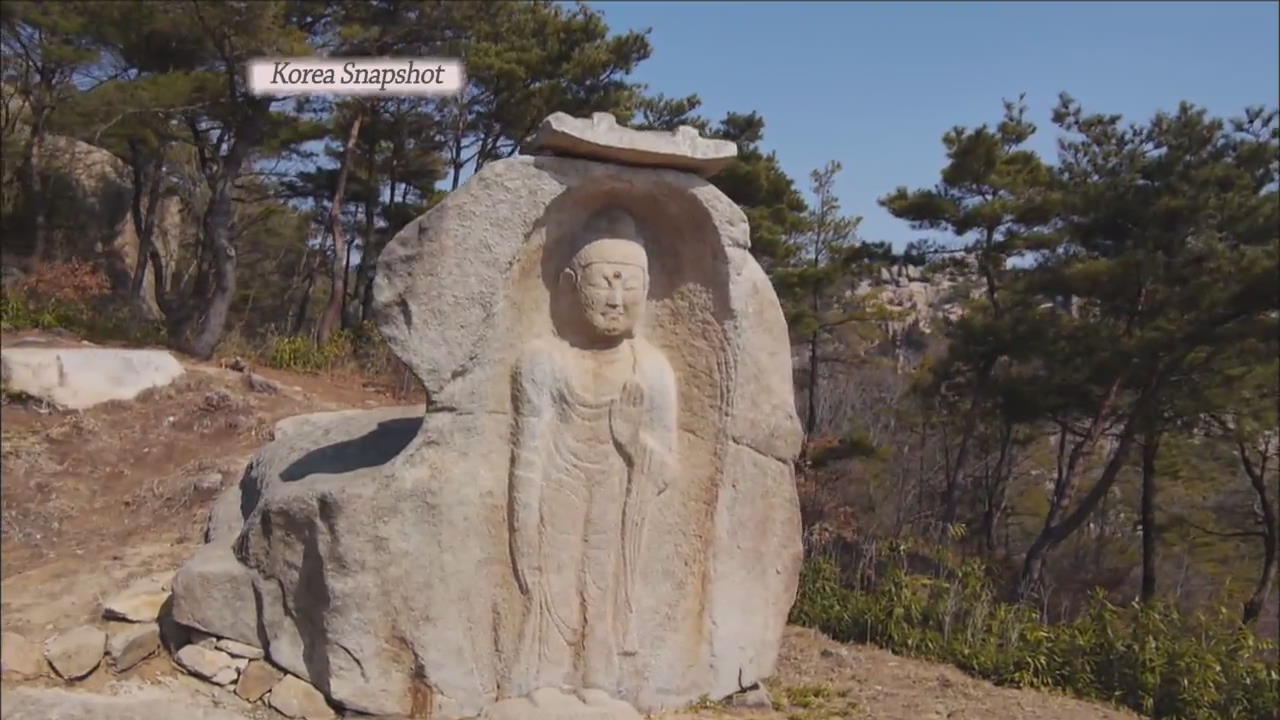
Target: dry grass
35,514
24,452
37,521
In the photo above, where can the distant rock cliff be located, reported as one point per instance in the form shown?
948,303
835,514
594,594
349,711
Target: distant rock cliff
91,192
919,302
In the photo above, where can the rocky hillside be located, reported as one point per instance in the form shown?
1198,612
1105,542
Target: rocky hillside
105,500
921,298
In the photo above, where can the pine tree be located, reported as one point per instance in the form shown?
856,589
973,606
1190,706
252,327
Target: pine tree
182,63
817,285
994,202
1168,243
775,209
47,47
525,61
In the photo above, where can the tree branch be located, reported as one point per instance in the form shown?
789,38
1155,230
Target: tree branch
1238,534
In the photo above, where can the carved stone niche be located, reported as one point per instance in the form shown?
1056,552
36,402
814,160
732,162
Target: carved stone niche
599,495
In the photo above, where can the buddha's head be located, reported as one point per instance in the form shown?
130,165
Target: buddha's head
610,274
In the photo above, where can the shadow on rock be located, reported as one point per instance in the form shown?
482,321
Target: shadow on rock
374,448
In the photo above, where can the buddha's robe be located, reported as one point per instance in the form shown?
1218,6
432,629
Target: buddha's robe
570,477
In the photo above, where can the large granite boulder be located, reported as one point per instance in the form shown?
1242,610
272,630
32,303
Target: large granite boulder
599,494
78,378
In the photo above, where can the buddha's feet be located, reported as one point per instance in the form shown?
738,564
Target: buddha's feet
553,704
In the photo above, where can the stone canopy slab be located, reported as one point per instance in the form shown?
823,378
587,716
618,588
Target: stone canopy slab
602,138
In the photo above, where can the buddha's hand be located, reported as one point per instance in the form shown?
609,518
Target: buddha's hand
625,418
630,643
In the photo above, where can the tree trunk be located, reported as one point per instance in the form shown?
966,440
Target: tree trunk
951,491
137,280
216,229
811,414
346,283
1059,524
159,280
304,301
1270,533
1266,582
988,272
357,311
1150,447
361,294
458,136
216,232
338,273
160,287
34,190
144,216
366,302
997,493
295,283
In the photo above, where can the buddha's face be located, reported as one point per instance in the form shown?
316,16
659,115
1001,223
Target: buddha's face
612,296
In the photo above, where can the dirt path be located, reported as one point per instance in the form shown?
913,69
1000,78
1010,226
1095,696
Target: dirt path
85,485
95,500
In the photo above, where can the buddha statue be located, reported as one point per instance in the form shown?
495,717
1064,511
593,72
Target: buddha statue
593,446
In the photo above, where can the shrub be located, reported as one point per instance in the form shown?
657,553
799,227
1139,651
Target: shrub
75,281
303,354
361,351
1153,659
75,297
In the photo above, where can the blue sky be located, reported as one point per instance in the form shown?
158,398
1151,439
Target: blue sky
875,85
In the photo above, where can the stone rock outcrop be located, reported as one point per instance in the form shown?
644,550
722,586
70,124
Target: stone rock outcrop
225,518
611,406
921,300
77,378
215,666
295,698
256,680
131,645
19,657
76,653
238,649
919,303
140,603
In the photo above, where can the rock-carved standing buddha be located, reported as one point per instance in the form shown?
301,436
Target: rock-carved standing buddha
594,443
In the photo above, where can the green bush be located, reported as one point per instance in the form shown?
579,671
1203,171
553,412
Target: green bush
303,354
17,313
100,321
1155,660
76,296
